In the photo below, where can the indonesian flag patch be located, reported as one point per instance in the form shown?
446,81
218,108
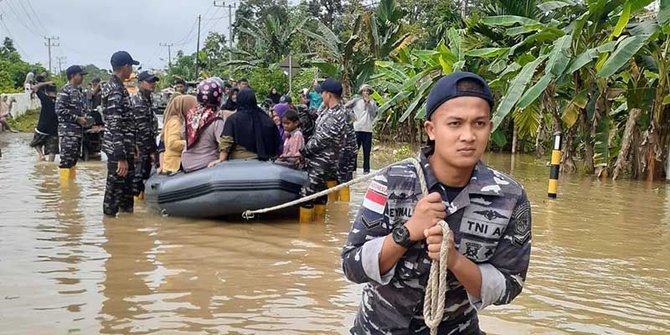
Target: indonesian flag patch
375,197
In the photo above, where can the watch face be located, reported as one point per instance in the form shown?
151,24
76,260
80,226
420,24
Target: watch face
400,235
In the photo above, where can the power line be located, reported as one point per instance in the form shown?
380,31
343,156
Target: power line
15,13
16,43
30,17
37,16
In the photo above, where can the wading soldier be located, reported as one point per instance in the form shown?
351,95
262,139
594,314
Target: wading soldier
348,154
395,234
322,152
70,108
146,131
119,141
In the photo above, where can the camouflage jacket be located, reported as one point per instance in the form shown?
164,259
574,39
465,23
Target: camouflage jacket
119,141
70,105
328,135
146,125
349,150
491,222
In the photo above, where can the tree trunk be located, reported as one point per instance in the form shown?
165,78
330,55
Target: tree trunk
588,142
567,158
539,150
626,142
515,137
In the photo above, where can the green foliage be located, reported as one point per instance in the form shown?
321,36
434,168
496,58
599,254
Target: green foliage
26,122
13,69
262,80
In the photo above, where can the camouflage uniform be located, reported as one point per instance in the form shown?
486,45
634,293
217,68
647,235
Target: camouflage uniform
307,118
491,221
349,153
70,105
146,128
322,152
118,145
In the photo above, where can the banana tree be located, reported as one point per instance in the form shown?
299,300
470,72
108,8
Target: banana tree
408,80
567,65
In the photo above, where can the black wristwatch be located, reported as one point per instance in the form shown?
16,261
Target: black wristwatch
401,236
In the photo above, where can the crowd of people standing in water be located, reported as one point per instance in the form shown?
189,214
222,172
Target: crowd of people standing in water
399,228
218,121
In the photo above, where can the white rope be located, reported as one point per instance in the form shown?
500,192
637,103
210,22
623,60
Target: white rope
436,288
250,213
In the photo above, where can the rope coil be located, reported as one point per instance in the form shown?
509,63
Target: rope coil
436,288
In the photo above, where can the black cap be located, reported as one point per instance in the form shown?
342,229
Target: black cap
74,69
285,99
447,88
148,77
121,58
333,86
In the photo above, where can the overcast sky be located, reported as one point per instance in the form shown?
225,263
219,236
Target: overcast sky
89,31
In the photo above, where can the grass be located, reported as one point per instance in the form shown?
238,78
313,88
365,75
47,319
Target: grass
27,122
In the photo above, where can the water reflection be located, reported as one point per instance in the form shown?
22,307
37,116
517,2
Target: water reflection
600,262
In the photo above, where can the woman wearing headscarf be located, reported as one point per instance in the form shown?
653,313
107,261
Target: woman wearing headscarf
172,134
231,103
203,127
274,96
249,133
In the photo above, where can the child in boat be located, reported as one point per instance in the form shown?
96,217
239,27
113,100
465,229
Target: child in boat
293,139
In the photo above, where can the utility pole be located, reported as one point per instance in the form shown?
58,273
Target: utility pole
230,28
50,44
61,61
198,49
169,46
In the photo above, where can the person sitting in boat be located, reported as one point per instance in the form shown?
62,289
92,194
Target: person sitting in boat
293,139
203,127
173,132
249,133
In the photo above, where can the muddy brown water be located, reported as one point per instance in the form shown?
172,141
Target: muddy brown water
600,261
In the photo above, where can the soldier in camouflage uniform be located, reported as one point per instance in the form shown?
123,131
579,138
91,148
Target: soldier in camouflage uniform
349,151
119,141
394,236
146,130
71,109
322,152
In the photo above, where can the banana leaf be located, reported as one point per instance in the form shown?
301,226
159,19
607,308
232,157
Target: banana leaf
625,50
664,13
558,57
515,91
394,101
506,20
420,98
534,91
487,52
553,5
571,111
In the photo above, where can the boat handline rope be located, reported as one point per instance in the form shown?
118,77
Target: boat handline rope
436,288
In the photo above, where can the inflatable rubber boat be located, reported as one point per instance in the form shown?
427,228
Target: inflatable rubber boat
225,190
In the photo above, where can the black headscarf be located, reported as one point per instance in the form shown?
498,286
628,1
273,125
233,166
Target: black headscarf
252,128
230,105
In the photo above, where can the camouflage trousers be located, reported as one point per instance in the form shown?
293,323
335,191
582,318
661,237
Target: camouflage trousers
70,151
319,170
142,173
347,166
119,190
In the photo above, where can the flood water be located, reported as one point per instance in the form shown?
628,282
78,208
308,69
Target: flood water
600,261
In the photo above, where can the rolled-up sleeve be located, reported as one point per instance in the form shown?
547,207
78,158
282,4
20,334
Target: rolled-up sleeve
360,255
504,275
